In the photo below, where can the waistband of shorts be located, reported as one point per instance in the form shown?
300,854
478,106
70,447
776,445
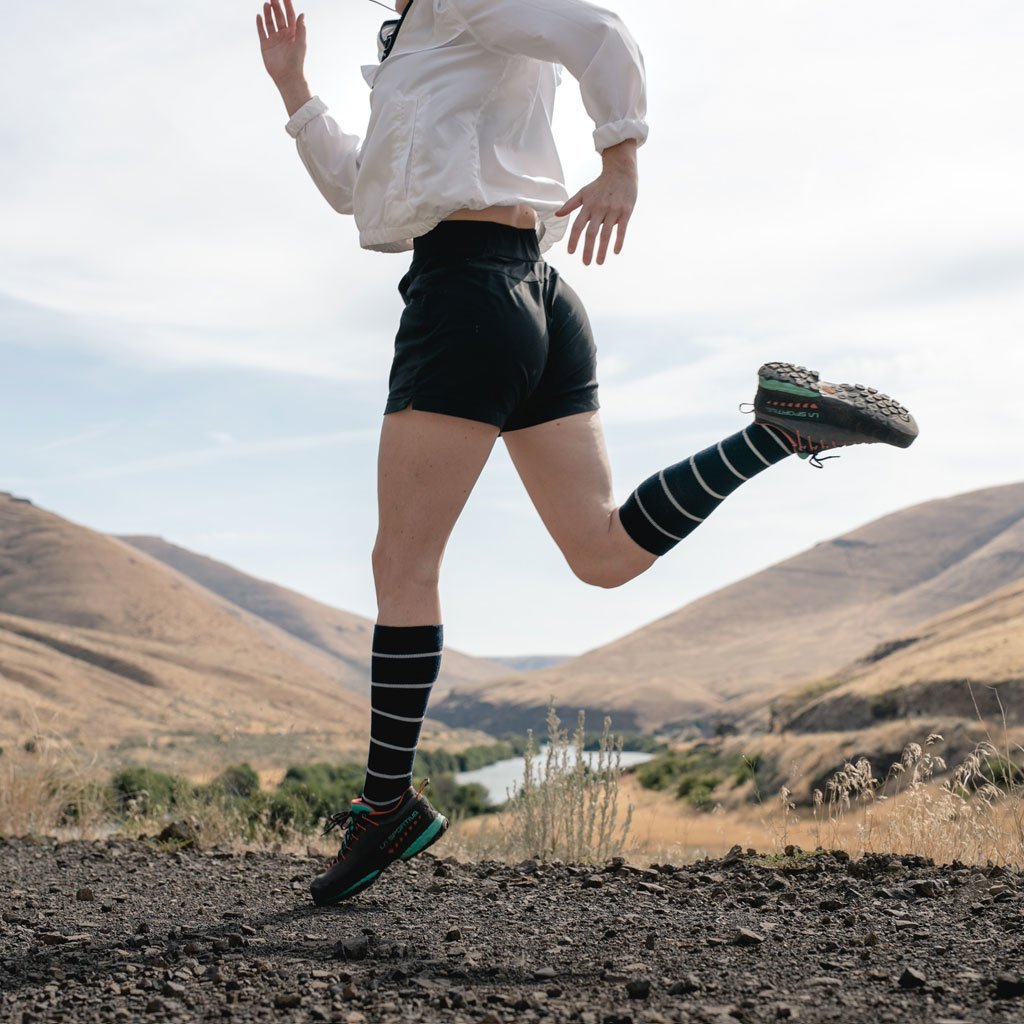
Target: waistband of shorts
458,239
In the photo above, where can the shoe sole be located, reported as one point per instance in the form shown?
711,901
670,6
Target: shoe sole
427,838
795,400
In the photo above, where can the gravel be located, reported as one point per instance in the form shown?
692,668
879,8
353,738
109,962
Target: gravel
193,935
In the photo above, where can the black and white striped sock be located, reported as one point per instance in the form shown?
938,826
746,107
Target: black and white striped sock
404,666
670,505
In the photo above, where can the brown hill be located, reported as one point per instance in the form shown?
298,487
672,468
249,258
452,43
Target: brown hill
726,655
968,663
346,636
115,651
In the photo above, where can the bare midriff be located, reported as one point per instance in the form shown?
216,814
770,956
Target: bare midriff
520,216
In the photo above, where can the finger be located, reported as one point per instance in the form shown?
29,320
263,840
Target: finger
268,17
279,17
577,229
620,235
289,12
588,247
259,28
300,27
570,204
606,236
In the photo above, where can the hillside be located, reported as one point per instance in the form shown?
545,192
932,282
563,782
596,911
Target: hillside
726,655
981,644
124,657
341,634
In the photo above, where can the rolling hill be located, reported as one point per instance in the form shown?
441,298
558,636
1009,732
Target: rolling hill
725,656
117,653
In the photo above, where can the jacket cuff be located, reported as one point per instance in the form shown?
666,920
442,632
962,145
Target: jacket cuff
313,107
618,131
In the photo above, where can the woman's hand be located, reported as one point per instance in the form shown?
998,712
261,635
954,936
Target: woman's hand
283,44
605,204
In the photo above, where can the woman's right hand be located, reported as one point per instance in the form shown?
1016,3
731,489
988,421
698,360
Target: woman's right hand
282,41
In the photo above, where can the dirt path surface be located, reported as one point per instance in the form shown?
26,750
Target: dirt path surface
120,931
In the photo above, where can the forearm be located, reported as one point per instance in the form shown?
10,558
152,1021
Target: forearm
294,91
621,158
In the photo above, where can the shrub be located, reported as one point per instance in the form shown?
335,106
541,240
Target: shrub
238,780
564,807
141,791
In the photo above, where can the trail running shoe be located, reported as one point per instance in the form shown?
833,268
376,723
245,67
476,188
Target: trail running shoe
373,840
813,415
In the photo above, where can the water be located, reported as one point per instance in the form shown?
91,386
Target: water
501,777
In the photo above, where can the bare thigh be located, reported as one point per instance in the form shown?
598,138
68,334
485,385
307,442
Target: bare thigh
564,466
427,465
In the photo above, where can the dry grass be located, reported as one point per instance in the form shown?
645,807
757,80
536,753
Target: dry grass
45,790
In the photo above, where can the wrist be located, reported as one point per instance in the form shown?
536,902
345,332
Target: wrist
294,92
620,157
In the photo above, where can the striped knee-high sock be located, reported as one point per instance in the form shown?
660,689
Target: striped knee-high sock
670,505
404,666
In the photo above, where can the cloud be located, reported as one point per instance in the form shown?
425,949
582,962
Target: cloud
78,438
204,456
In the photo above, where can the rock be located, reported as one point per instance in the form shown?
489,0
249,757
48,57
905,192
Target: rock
287,1001
52,938
173,988
638,988
912,978
924,887
734,854
746,937
544,973
1009,986
453,935
658,890
84,894
593,882
355,948
184,832
686,985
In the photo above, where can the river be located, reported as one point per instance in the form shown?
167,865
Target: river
500,778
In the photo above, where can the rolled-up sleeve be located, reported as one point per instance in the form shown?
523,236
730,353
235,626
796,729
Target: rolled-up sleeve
330,155
592,43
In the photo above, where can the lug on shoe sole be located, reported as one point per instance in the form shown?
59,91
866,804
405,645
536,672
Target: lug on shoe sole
807,409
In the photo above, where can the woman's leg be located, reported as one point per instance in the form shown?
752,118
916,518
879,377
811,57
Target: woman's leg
427,466
564,466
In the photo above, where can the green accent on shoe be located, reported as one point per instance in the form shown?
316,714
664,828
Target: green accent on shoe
788,389
362,807
429,835
362,881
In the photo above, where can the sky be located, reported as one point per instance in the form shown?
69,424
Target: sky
193,345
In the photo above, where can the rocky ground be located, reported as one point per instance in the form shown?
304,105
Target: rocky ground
119,930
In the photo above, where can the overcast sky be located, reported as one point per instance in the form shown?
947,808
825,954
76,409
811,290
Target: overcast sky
193,345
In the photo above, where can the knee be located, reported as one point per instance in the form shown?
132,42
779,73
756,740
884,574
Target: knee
395,570
599,574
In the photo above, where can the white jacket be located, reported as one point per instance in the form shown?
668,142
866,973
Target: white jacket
460,115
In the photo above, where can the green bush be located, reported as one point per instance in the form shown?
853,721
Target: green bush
238,780
142,791
695,773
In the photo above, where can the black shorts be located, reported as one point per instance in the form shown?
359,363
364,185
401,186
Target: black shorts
490,332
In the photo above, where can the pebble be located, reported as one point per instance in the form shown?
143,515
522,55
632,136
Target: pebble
912,978
746,937
593,882
84,894
1009,986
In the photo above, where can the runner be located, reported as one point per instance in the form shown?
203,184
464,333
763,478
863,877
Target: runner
458,164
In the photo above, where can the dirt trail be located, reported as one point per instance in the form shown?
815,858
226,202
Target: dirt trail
120,931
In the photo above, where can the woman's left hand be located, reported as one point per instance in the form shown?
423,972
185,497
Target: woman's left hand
606,204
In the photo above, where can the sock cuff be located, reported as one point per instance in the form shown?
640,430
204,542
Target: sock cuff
408,639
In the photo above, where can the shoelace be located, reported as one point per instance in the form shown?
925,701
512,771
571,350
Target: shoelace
352,821
797,444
